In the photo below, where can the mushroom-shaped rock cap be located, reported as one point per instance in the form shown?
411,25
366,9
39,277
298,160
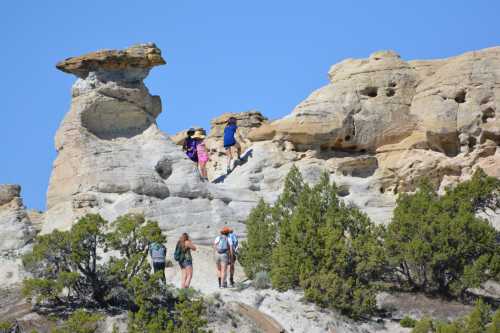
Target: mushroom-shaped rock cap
136,56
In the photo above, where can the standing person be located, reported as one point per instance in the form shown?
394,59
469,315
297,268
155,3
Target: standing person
233,243
202,154
189,145
183,256
158,253
222,249
230,142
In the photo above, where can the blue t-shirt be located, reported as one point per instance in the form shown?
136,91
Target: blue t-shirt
229,132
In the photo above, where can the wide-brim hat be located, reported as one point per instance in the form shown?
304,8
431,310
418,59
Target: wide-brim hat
198,135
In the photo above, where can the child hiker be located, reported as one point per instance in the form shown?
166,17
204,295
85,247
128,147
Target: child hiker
230,142
202,153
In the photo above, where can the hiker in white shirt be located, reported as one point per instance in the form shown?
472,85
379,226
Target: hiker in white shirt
223,253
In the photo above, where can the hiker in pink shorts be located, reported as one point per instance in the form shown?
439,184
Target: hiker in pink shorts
201,150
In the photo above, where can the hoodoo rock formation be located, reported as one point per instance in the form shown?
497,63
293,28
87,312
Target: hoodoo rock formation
112,158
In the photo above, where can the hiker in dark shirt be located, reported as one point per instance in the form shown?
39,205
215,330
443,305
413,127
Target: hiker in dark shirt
189,145
183,256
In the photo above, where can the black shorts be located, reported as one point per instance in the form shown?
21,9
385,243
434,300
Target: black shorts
158,266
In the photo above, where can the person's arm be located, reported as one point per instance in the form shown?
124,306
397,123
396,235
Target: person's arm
191,245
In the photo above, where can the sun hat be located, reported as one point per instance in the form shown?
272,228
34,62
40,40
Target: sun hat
198,135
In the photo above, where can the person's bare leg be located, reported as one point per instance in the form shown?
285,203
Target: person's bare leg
229,155
219,276
231,271
183,277
238,149
223,274
189,276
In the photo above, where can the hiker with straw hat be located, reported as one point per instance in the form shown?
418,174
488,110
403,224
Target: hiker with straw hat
202,153
223,253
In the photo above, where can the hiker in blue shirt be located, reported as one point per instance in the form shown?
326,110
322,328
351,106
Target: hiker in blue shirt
230,142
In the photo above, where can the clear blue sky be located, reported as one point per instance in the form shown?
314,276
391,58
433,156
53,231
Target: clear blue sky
222,56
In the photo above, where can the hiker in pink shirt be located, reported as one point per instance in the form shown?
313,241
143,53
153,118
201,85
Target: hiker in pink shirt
201,150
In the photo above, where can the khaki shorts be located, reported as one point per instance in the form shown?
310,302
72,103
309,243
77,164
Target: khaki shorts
222,258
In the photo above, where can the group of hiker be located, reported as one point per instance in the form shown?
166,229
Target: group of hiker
225,248
196,150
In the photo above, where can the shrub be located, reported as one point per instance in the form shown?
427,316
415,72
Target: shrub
332,251
478,321
423,326
494,326
80,321
262,280
407,322
69,259
438,244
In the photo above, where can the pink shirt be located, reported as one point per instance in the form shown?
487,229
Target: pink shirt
202,152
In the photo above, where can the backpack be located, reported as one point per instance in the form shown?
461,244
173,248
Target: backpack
158,252
178,253
191,149
222,244
234,241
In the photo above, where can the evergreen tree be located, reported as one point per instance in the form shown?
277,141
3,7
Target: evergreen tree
255,253
439,244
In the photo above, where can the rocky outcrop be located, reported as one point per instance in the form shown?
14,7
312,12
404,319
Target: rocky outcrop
16,233
15,224
112,158
433,118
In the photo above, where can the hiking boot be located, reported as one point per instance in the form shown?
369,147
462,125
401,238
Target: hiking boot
231,282
228,170
219,282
